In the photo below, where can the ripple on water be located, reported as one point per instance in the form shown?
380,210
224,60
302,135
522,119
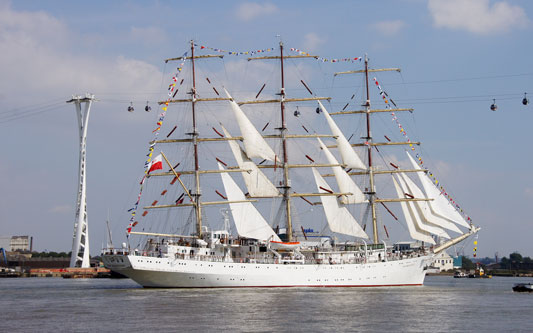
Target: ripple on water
443,304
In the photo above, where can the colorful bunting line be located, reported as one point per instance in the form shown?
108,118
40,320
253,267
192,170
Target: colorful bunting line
300,52
172,90
387,101
235,53
238,53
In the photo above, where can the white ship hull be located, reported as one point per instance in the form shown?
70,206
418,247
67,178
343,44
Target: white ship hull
177,273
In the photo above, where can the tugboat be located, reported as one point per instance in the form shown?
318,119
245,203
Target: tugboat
479,273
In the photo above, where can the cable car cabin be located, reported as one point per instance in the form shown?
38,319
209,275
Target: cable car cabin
494,107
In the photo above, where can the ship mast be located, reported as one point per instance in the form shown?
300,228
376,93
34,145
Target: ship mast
283,131
194,134
286,185
196,140
371,190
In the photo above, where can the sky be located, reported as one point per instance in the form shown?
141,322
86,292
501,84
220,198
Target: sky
456,56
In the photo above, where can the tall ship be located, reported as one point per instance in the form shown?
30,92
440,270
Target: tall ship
220,201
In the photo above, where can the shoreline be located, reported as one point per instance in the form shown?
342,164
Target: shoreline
86,273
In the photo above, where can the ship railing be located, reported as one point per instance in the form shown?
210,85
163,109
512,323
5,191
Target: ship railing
287,260
186,256
265,260
114,251
392,256
331,261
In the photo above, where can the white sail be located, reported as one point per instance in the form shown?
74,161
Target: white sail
254,143
248,221
424,219
440,205
257,183
339,219
425,210
413,231
349,156
345,182
417,219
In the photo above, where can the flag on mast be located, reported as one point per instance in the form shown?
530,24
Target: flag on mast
157,163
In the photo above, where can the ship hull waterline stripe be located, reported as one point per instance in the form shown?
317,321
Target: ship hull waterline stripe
296,286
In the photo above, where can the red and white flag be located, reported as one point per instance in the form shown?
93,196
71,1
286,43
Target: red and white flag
157,163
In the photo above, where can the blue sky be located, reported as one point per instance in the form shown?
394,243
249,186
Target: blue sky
456,56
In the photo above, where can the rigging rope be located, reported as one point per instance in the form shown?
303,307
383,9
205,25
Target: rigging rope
386,99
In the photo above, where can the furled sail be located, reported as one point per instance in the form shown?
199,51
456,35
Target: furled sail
425,210
440,205
407,212
423,218
339,219
254,143
248,221
345,182
257,183
349,156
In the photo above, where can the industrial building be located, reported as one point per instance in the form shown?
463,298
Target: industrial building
21,243
16,243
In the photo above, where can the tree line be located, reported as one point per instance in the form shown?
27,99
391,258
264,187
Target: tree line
515,262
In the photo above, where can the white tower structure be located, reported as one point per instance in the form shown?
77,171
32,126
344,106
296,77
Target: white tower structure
80,241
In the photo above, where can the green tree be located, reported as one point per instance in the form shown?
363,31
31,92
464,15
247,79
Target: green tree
515,257
467,263
505,263
50,254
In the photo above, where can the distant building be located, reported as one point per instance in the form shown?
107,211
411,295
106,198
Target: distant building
443,261
20,243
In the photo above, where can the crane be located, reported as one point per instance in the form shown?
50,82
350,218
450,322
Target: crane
4,254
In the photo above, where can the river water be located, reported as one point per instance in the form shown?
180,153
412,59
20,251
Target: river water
443,304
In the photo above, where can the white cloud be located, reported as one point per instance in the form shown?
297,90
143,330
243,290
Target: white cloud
42,46
24,28
250,10
477,16
61,209
389,28
312,41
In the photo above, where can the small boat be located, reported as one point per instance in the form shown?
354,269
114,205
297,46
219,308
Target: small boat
8,272
523,287
458,275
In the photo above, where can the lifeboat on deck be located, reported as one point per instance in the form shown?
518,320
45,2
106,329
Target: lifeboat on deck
284,245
